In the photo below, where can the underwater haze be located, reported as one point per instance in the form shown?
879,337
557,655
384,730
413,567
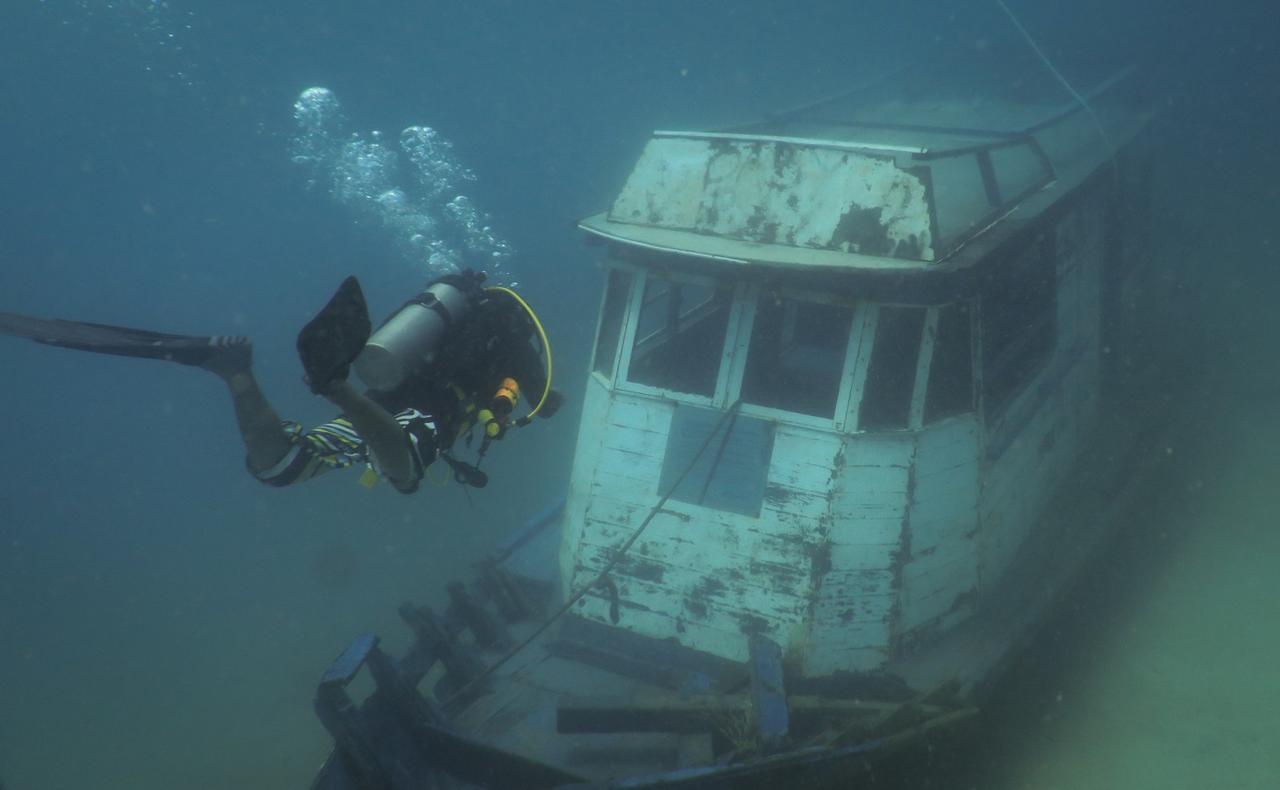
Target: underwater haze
206,167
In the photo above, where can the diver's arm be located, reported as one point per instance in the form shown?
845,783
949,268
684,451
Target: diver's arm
378,428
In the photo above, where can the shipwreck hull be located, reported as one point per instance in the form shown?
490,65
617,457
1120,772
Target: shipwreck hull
854,422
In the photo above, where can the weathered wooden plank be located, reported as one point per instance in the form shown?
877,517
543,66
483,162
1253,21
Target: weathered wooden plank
948,568
865,621
864,528
803,459
799,475
922,608
656,563
879,450
851,628
653,561
693,597
783,499
624,488
756,538
810,446
839,584
805,529
730,645
585,460
852,620
631,442
761,538
869,504
643,414
862,480
864,556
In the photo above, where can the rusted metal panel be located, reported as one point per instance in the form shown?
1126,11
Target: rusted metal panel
769,191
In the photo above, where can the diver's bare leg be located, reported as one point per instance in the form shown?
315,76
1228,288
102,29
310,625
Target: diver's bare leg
263,433
260,427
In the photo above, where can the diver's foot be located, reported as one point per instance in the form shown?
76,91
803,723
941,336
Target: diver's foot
222,355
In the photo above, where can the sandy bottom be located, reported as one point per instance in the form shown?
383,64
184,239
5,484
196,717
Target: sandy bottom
1162,674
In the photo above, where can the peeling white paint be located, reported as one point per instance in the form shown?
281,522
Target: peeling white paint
775,192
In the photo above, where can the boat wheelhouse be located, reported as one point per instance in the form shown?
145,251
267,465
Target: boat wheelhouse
911,307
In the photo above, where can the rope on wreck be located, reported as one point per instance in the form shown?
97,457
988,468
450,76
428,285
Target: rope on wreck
730,417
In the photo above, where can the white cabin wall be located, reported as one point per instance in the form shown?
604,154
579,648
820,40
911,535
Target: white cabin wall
1062,399
940,574
1087,227
701,576
856,599
586,457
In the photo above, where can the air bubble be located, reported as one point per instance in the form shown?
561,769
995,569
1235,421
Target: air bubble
415,193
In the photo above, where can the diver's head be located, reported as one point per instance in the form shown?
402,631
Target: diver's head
407,343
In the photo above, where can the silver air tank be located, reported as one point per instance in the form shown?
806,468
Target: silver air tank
407,342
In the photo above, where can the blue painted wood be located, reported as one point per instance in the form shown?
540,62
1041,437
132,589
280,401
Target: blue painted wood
768,692
345,666
532,528
730,475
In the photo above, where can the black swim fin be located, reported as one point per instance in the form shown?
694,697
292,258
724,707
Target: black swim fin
332,340
117,340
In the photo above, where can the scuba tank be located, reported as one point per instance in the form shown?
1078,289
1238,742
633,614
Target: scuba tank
407,343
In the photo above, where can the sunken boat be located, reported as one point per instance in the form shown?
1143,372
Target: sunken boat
848,434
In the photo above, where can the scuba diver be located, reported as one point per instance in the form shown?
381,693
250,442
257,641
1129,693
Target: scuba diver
453,359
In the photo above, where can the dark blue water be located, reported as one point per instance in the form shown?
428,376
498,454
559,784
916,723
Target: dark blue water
163,617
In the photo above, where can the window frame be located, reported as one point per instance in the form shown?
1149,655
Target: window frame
996,411
853,342
609,265
622,367
975,383
859,344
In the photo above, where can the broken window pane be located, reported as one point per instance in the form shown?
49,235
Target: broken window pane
680,336
615,305
951,372
886,397
796,358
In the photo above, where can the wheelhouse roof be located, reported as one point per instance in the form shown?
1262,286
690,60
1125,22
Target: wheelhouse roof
885,176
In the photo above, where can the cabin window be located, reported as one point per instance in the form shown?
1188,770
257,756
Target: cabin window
680,335
951,372
616,291
891,376
1018,323
796,356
